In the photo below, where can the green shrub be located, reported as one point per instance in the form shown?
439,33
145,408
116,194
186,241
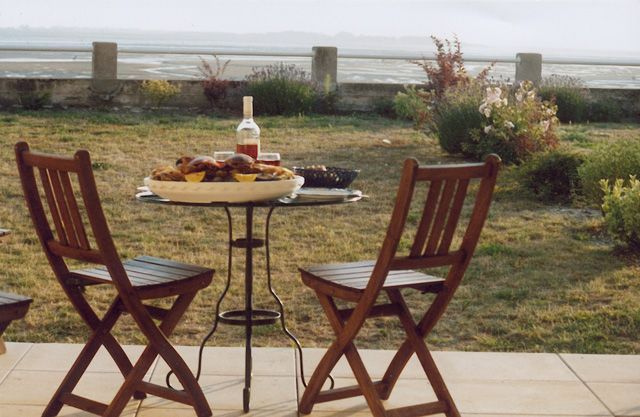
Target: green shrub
575,136
457,118
515,127
159,91
34,100
609,161
620,207
553,176
281,89
411,105
570,96
605,110
385,107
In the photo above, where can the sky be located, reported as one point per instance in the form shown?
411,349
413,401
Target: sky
610,25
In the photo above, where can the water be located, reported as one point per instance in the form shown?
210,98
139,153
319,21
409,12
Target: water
135,66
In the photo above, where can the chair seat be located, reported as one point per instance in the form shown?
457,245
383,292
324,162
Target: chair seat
349,280
13,306
153,277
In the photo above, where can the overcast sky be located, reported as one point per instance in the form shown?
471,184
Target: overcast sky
570,24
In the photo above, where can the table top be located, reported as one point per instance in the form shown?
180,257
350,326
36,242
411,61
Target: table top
149,197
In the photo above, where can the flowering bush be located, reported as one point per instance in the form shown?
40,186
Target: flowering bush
449,70
513,127
448,73
213,86
159,91
620,208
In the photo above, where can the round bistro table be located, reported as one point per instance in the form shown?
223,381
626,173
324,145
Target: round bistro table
249,316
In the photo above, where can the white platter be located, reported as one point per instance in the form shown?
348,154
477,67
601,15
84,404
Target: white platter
231,192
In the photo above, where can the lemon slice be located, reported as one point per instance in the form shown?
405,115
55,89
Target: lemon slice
245,177
195,176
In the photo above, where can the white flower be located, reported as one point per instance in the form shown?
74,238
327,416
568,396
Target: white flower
519,96
509,124
488,129
531,95
493,95
545,124
487,111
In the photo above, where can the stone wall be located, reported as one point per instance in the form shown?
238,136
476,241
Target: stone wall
127,94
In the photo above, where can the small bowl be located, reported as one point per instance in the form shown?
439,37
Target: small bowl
333,177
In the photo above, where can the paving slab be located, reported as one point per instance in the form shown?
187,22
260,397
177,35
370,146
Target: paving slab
36,411
276,393
494,398
9,359
37,387
464,366
39,358
604,368
230,361
622,399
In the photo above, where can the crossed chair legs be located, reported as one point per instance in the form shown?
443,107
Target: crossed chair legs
133,386
376,392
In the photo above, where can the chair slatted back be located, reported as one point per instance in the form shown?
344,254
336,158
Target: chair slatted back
447,190
71,239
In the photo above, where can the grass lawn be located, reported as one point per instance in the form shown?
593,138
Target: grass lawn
544,278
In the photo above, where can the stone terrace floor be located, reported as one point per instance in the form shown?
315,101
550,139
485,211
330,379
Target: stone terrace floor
483,384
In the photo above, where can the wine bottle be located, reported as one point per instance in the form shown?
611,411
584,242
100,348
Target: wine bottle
248,132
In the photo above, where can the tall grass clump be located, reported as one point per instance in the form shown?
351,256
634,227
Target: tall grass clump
281,89
570,96
609,161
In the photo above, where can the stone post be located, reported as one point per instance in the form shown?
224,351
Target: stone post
105,61
104,65
325,64
529,67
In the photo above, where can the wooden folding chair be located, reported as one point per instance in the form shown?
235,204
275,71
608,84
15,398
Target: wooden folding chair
137,280
362,283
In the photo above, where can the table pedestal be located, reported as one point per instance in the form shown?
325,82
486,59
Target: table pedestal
249,317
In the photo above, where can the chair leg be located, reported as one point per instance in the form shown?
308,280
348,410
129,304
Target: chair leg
320,374
424,327
159,345
332,355
113,347
424,356
84,358
3,326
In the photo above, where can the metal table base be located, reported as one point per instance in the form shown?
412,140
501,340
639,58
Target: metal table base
249,316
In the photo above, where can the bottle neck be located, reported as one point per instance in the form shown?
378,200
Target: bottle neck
247,107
